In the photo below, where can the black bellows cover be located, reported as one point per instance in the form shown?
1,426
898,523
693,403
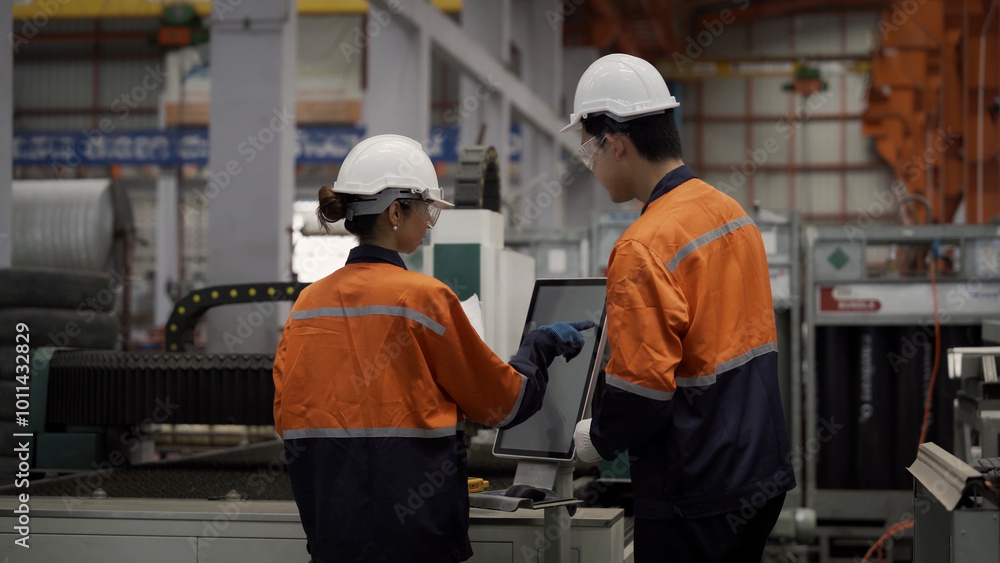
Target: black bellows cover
874,409
912,358
836,364
126,388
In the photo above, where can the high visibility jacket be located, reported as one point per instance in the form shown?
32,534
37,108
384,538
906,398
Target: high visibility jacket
375,374
691,389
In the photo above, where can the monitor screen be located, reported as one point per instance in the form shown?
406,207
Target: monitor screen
548,434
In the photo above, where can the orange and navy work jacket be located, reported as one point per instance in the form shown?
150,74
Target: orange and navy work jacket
691,389
376,372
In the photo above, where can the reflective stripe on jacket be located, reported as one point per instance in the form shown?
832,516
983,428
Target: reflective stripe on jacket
375,374
692,384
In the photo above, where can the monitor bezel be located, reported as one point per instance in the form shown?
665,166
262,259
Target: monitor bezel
592,372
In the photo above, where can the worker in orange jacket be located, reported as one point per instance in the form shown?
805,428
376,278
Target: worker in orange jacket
377,370
691,389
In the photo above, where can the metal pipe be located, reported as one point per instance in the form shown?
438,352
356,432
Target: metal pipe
908,198
793,114
982,111
965,104
843,123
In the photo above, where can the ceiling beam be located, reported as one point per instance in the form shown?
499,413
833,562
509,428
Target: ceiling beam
778,8
473,59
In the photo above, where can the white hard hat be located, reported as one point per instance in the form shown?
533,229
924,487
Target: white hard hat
388,167
621,86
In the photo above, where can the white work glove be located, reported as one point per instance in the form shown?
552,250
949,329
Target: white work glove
585,450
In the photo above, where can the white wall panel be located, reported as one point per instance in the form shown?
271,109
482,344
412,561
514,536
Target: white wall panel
857,89
859,148
725,96
731,42
59,84
724,143
771,37
771,189
818,141
130,83
817,192
132,121
768,95
773,139
818,34
862,33
321,63
826,102
51,122
862,185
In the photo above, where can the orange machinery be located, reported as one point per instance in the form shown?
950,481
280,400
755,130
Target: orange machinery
933,103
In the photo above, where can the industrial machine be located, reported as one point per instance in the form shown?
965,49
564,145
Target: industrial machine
977,427
880,301
956,508
237,505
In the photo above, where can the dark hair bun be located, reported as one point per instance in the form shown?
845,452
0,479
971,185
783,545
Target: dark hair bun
332,207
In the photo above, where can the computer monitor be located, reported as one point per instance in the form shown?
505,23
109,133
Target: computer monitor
548,434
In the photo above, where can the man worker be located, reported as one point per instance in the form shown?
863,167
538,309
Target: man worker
692,384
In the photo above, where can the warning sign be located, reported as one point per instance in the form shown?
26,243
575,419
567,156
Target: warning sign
831,302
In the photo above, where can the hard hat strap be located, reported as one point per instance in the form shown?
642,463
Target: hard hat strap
377,203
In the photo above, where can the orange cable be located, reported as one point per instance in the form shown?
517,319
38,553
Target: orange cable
877,548
937,354
894,529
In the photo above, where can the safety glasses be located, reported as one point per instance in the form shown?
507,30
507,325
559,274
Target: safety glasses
428,212
587,152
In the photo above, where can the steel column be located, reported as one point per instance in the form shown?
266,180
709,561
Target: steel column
397,96
251,185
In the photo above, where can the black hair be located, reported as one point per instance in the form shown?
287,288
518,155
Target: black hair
333,208
654,136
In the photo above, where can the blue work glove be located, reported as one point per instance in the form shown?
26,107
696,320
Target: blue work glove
569,341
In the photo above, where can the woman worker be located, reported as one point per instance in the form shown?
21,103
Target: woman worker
378,369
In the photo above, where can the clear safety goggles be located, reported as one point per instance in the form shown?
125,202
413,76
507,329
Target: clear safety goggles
587,152
427,211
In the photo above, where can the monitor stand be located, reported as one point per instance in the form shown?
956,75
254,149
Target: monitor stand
555,477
